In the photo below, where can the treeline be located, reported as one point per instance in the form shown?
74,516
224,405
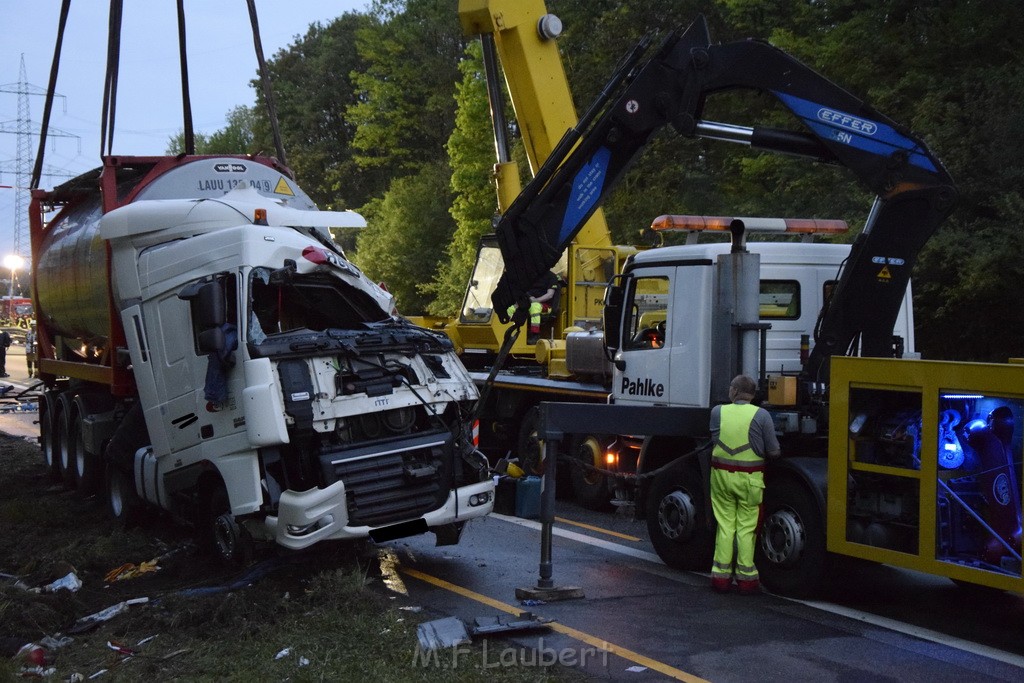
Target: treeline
384,111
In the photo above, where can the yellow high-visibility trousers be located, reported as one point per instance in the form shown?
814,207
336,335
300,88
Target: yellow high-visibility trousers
736,502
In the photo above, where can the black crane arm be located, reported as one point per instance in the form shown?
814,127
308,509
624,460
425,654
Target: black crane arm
914,191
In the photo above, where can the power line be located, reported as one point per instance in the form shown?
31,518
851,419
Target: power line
24,128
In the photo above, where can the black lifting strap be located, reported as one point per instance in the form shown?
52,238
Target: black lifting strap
186,100
110,83
268,92
37,169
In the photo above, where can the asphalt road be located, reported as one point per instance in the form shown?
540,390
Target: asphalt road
641,621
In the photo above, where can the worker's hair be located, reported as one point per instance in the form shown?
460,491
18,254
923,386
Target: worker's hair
742,384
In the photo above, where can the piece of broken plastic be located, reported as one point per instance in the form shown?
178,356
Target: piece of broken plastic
442,633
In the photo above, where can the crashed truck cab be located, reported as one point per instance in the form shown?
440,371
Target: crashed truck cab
265,360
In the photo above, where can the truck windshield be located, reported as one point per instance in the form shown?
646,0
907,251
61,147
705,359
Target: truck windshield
314,302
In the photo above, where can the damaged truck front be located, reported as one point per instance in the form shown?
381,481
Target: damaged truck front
215,354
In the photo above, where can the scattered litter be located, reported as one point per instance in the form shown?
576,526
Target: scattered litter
32,653
175,653
15,580
636,669
121,649
411,608
145,640
70,582
283,653
87,623
303,661
130,571
532,603
37,672
51,643
98,674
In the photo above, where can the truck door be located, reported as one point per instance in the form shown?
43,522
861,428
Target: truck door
665,352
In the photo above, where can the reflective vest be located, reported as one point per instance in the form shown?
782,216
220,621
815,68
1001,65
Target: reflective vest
732,450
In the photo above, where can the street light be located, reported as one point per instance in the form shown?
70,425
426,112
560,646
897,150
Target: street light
12,262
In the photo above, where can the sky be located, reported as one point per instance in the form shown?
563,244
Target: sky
221,63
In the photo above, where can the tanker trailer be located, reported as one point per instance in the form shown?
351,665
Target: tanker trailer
207,349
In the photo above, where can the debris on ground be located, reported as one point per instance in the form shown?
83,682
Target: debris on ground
452,631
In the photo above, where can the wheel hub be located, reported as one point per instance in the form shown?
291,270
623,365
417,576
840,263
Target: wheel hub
677,515
226,536
783,537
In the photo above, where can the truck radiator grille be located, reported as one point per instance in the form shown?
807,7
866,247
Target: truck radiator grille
392,481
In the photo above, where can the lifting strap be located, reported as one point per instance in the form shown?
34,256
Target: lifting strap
37,169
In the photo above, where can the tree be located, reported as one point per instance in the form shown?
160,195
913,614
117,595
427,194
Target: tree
313,87
407,236
235,138
470,151
404,110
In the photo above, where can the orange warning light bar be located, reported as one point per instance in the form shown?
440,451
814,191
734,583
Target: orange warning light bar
804,226
259,217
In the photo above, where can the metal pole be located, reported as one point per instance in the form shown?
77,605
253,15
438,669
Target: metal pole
547,512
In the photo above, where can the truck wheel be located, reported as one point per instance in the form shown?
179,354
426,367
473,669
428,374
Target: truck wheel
88,466
65,445
592,490
217,532
47,434
677,522
528,449
122,499
791,552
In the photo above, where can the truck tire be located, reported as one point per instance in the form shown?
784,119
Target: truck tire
217,532
531,460
677,521
592,490
88,466
122,500
64,445
47,434
790,553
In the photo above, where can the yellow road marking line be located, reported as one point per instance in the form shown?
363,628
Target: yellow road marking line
587,638
598,529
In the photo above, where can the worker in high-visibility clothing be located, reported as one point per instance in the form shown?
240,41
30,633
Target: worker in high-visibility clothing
744,437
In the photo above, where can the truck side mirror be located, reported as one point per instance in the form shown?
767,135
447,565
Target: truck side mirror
207,299
211,340
613,298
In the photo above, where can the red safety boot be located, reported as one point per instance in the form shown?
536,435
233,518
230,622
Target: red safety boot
720,584
748,587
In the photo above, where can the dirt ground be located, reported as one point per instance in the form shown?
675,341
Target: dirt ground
311,616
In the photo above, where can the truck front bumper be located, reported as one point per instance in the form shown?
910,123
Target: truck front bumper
308,517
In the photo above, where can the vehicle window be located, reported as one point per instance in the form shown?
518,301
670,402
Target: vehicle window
779,300
648,314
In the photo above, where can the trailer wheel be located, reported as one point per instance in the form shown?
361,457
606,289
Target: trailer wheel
592,489
47,434
122,500
65,444
88,466
791,553
677,520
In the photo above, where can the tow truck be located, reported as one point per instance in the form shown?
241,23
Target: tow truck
568,362
896,460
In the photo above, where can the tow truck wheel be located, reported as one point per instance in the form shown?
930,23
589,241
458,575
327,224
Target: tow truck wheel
791,550
676,521
528,449
591,489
